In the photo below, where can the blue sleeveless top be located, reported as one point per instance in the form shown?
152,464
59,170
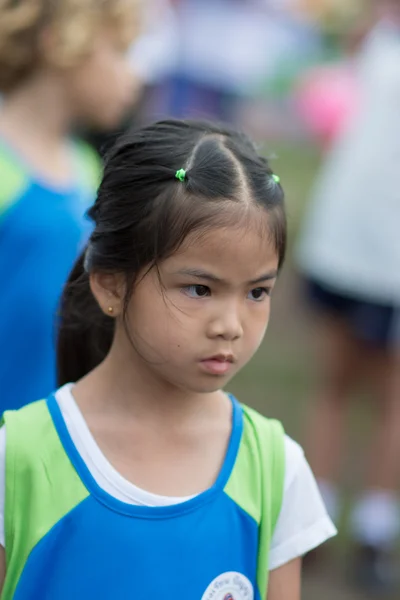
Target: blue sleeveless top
65,537
42,230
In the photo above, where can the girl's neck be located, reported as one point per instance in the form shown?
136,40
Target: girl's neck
123,386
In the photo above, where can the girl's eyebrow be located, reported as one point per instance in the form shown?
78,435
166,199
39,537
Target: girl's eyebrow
200,274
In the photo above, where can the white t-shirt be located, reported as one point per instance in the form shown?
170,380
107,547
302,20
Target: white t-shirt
303,523
351,240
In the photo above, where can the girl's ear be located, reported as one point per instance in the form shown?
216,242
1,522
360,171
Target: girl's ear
109,290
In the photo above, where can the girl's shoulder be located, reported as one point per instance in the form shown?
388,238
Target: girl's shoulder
27,425
33,446
279,451
274,445
42,484
303,522
265,438
261,427
274,468
257,479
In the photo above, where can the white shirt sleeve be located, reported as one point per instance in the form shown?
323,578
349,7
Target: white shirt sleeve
2,483
303,523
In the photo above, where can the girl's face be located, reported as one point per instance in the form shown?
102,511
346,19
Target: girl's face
102,88
201,317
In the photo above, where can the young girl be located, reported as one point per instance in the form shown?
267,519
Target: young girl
62,64
143,479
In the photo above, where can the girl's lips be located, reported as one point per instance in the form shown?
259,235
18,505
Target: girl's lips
217,365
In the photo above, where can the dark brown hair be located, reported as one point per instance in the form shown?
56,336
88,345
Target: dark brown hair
143,213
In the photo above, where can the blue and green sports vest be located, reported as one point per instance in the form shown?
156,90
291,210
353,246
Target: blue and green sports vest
66,538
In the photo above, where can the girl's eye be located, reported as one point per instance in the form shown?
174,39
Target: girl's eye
197,291
258,294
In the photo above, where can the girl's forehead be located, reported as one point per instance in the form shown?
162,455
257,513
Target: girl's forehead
246,250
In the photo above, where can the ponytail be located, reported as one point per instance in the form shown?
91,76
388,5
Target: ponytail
85,333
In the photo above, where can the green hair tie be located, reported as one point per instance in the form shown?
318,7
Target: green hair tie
276,178
181,175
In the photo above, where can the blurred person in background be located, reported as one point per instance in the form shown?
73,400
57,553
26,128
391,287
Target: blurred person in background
212,42
350,255
226,49
62,65
152,57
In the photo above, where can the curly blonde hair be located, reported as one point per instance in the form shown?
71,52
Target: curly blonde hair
73,25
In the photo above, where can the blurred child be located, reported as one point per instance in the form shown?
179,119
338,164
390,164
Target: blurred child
143,479
350,254
62,64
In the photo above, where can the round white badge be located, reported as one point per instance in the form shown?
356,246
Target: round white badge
229,586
